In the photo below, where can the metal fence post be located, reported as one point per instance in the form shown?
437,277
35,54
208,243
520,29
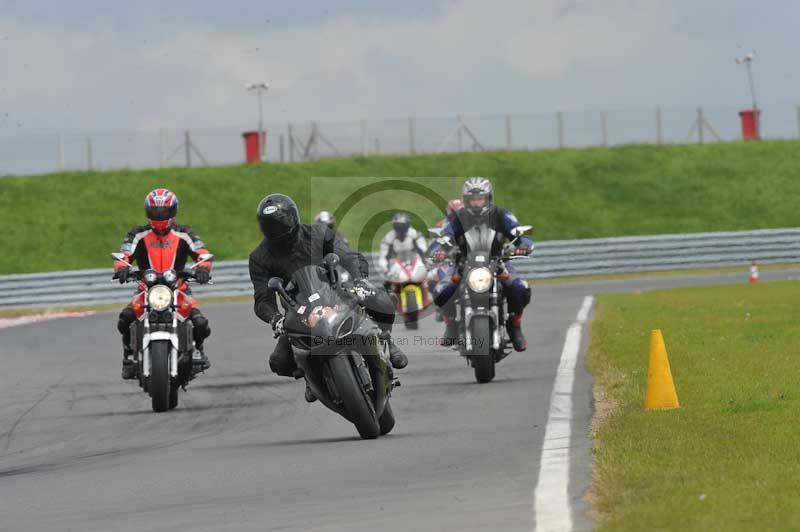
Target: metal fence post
291,143
411,145
161,148
459,135
798,121
604,127
659,131
508,133
187,145
363,126
560,128
700,125
89,165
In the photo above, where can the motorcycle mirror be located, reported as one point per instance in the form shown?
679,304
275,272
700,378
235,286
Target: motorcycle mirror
276,283
121,257
520,230
331,261
203,257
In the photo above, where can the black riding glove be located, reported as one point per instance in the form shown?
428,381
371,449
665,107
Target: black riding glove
362,289
122,275
202,275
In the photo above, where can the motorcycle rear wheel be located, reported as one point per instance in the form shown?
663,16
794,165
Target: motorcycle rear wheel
412,312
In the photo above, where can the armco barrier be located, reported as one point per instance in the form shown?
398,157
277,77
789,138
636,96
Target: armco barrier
550,259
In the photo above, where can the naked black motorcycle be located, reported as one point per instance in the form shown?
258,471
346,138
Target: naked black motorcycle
479,299
337,346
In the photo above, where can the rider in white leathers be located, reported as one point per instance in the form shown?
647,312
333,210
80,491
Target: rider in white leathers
401,239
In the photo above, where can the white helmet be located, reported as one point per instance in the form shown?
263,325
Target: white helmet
476,188
324,217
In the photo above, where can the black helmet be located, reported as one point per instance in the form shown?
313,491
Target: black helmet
324,217
400,223
278,218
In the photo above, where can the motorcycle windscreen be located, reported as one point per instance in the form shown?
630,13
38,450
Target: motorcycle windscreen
321,312
481,241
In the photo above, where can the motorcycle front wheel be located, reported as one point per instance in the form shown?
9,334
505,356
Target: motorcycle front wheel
159,382
481,356
354,399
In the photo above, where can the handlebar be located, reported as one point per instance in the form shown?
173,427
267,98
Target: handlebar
138,276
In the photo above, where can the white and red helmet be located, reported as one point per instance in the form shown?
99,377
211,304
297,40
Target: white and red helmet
161,208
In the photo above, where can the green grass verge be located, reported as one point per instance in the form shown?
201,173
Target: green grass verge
72,220
744,270
729,458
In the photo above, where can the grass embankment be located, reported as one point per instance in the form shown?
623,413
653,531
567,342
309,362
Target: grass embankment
72,220
729,458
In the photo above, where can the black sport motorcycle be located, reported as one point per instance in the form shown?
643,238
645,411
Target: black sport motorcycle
479,299
337,346
162,336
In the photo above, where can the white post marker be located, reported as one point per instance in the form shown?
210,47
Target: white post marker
551,497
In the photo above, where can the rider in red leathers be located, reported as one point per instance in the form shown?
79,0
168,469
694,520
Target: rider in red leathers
162,245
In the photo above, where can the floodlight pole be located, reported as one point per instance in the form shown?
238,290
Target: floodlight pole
747,64
259,87
747,61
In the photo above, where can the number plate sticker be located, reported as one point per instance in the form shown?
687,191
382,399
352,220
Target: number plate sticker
480,258
313,297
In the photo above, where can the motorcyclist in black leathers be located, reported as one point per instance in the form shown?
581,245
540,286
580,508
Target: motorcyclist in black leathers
289,245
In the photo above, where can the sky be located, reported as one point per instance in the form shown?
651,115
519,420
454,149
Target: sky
91,65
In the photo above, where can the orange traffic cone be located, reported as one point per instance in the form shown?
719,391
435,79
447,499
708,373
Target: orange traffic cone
754,272
661,393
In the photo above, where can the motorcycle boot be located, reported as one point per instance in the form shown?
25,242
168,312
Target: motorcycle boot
309,395
397,358
200,361
514,328
129,365
450,336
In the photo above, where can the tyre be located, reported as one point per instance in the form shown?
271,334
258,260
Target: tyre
412,311
159,385
354,399
173,396
386,421
481,355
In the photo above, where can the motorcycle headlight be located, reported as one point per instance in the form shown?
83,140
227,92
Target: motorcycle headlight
170,276
479,280
159,297
150,277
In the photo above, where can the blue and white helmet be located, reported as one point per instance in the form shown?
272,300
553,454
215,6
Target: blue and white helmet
475,189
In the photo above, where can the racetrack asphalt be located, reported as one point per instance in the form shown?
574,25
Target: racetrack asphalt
81,450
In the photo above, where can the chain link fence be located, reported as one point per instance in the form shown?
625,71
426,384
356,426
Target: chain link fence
293,142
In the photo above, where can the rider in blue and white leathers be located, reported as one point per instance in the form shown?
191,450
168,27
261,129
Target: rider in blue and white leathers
479,208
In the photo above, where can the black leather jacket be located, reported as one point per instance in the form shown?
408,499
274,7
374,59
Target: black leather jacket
312,243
